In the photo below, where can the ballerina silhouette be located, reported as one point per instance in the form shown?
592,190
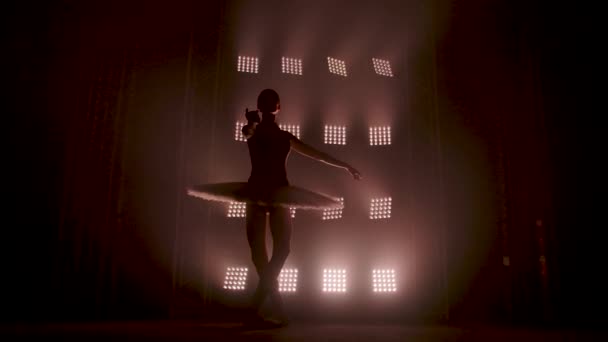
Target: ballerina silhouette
268,193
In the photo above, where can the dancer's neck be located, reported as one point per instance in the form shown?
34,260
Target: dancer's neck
268,117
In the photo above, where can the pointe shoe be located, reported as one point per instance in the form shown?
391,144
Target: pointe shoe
277,308
282,320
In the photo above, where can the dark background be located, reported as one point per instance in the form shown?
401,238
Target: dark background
72,215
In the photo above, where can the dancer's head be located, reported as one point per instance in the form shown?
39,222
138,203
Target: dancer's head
269,102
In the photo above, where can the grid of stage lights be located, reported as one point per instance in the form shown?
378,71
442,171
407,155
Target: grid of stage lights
334,280
380,208
248,64
336,66
380,135
292,211
333,214
238,131
293,129
384,280
291,66
335,135
288,280
382,67
236,278
236,209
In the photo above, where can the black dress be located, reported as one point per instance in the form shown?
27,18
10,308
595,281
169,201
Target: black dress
269,148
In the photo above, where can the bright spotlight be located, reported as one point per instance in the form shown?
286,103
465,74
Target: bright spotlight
238,131
334,280
248,64
236,278
293,129
236,209
333,214
292,211
336,66
291,66
288,280
380,208
380,135
335,135
383,280
382,67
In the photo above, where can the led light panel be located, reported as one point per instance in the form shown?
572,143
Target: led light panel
291,66
384,280
288,280
336,66
380,208
382,67
293,129
236,278
334,135
236,209
238,131
248,64
333,214
334,280
380,135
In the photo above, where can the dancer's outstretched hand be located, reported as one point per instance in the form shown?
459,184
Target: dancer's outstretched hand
252,116
356,174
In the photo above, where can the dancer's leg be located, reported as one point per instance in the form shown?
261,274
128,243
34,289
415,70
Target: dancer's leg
280,228
256,236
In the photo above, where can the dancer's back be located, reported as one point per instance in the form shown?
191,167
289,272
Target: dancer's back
268,149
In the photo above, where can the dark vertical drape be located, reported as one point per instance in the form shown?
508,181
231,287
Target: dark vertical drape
489,69
90,167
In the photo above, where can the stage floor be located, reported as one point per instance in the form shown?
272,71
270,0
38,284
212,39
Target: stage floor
176,331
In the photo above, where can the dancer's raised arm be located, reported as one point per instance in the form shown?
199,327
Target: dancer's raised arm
311,152
253,119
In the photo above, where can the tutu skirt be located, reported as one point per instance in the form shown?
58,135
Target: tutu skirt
284,196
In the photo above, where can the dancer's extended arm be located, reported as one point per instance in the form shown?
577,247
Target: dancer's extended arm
253,119
311,152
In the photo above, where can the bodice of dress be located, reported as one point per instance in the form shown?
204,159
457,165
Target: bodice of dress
268,150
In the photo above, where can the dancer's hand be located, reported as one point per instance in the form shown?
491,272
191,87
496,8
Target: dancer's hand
356,174
252,116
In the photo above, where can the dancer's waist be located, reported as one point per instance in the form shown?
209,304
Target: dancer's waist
265,184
